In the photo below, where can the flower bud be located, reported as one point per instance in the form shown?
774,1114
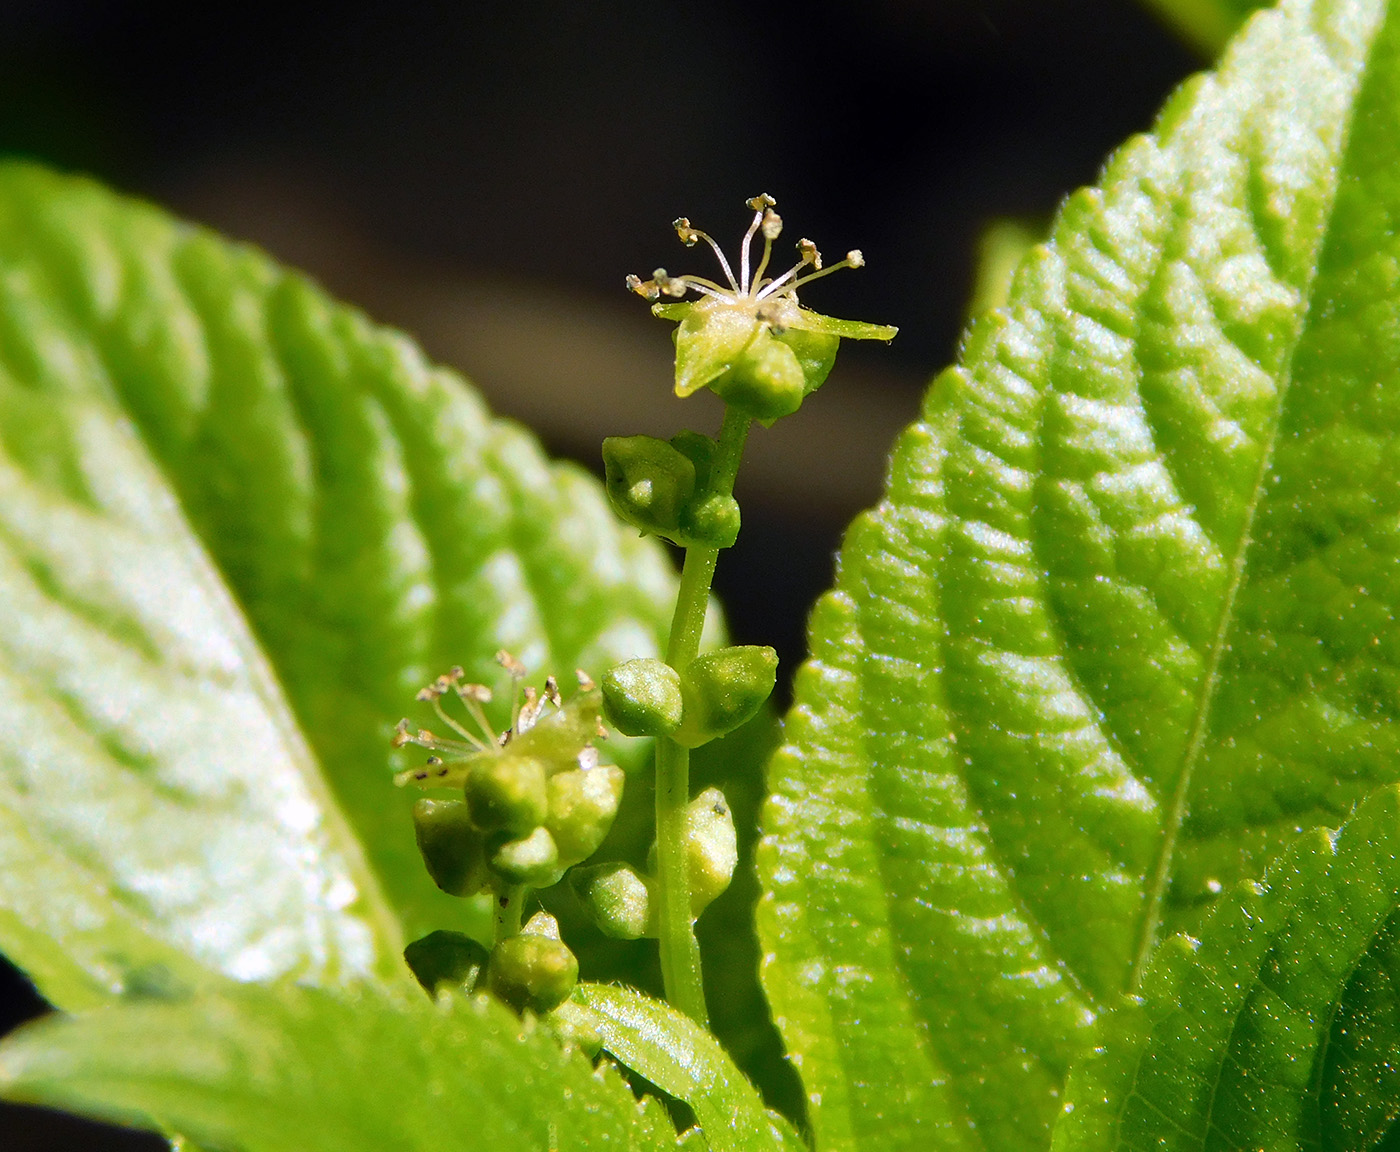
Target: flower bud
712,522
711,848
532,860
617,898
446,962
642,697
582,805
453,849
507,791
532,971
648,482
722,690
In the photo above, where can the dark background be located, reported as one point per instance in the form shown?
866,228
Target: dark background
484,175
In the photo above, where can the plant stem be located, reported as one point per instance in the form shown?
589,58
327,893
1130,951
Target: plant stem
680,953
510,902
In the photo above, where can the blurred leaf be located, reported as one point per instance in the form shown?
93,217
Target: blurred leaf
302,1070
1206,25
1243,1038
372,521
1125,619
1000,250
158,810
684,1060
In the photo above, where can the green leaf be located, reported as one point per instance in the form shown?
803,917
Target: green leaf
1279,1028
1124,620
302,1070
371,520
681,1058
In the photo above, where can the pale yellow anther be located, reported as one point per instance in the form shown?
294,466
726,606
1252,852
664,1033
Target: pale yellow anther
855,258
772,226
762,201
807,250
688,235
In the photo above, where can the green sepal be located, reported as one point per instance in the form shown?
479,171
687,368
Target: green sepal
724,689
558,739
582,806
617,898
710,340
507,792
816,323
532,971
642,697
649,482
532,860
815,352
453,849
447,962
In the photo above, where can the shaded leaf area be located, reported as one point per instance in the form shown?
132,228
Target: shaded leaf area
1122,624
1279,1028
684,1060
373,521
295,1069
160,816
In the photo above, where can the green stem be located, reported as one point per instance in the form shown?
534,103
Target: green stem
680,953
510,902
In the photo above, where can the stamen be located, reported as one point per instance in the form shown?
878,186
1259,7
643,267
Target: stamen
690,235
585,681
808,251
744,249
854,259
772,229
644,288
451,723
551,692
761,201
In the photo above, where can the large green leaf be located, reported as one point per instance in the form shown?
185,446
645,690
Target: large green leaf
1279,1028
291,1069
159,812
372,521
1124,619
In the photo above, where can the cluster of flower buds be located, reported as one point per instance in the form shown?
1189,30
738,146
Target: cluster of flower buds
749,340
533,969
622,901
708,698
663,488
535,798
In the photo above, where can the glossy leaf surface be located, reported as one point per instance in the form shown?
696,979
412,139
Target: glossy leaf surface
1123,622
302,1070
1279,1028
684,1060
374,524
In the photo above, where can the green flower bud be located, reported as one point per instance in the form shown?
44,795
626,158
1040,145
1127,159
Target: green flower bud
712,522
722,690
711,849
446,962
532,860
642,697
532,971
582,806
507,792
648,482
617,898
766,380
453,850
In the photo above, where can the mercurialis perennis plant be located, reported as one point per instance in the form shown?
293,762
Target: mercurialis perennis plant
1082,831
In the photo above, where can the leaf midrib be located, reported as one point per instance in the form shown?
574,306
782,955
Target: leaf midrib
1160,874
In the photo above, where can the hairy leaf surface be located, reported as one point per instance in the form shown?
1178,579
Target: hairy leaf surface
1279,1028
303,1070
1123,623
371,519
683,1059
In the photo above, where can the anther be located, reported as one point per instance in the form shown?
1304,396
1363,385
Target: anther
585,681
855,258
643,288
808,251
761,201
772,225
688,235
510,664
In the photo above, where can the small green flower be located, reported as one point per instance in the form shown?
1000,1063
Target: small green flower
752,343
